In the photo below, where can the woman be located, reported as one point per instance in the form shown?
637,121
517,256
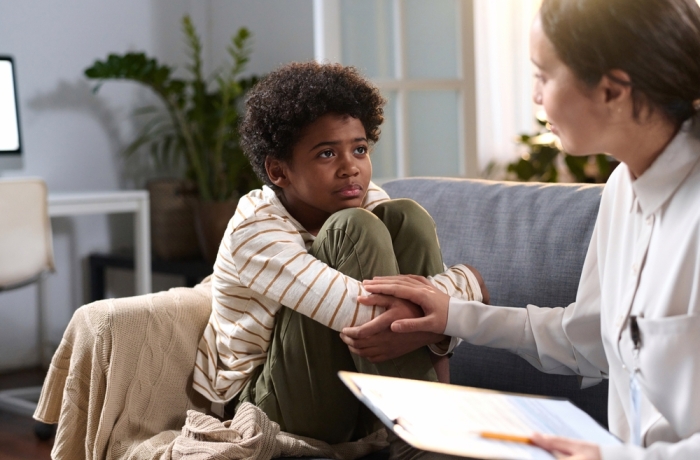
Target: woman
622,77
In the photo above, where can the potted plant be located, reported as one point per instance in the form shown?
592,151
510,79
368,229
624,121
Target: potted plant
545,161
196,127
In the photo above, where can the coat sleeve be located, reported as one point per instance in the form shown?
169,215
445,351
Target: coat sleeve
687,448
554,340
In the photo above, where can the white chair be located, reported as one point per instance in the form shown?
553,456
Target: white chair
26,254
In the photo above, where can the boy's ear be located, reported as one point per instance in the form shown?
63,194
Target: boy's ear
276,171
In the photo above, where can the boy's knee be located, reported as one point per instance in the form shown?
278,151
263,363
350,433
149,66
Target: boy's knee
354,220
404,211
352,231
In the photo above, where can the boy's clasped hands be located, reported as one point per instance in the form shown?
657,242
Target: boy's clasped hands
414,309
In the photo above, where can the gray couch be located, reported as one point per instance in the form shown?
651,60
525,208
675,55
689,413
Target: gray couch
529,242
122,376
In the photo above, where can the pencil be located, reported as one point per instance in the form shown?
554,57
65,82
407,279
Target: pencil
505,437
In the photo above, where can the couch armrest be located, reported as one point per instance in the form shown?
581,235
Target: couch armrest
123,372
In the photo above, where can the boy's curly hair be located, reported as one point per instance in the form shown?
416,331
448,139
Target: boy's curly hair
286,101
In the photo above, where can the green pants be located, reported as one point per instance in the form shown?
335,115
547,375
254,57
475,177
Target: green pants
298,386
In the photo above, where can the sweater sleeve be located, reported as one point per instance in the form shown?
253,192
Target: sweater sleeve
271,260
375,196
458,282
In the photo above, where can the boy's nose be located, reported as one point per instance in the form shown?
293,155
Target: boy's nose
351,170
348,168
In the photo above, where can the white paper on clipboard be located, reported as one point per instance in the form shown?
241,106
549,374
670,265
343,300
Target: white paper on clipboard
448,418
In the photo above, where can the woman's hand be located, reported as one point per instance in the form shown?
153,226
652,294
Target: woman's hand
388,291
565,448
375,340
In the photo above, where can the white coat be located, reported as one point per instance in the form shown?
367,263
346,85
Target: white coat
643,261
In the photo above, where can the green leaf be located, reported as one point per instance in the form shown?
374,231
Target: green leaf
198,123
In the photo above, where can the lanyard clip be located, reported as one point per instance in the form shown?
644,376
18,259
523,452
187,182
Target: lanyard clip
634,333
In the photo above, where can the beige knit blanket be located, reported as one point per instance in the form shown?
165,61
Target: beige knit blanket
249,436
120,387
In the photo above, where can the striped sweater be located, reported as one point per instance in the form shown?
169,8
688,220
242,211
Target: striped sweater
262,264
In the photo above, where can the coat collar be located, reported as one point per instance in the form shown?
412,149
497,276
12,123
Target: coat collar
658,183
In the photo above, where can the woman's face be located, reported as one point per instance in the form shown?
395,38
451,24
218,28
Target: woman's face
573,110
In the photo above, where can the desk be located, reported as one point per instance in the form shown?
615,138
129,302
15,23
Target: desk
136,201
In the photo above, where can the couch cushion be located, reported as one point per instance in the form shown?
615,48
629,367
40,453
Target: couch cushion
529,241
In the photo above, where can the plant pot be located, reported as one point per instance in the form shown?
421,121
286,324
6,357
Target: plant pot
173,235
211,219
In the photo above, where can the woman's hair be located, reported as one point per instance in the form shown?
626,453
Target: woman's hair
656,42
295,95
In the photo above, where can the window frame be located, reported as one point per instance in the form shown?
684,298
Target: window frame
327,48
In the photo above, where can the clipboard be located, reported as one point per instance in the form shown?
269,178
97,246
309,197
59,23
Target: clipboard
450,419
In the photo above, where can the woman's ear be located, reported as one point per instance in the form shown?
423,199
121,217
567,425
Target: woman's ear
617,88
276,171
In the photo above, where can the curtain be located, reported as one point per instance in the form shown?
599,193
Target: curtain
504,76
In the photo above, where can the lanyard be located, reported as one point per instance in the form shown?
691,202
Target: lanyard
635,392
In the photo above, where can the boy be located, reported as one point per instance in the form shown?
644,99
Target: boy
290,266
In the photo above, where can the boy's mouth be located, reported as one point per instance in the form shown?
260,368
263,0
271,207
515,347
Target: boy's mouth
350,191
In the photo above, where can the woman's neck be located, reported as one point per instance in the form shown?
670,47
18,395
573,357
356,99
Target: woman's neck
639,143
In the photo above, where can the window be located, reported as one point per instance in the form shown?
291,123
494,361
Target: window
456,73
421,56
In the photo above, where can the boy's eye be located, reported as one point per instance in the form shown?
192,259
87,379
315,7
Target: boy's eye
326,154
539,77
361,150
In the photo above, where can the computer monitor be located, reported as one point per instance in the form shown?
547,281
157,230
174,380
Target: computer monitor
10,139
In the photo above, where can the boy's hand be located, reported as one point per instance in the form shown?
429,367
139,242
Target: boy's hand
416,290
375,340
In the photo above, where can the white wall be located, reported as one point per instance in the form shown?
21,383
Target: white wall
72,137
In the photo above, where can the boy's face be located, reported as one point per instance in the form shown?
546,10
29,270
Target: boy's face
329,170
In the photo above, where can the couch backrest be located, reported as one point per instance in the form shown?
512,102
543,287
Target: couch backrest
529,241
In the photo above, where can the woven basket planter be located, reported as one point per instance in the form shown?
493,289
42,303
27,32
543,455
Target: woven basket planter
211,219
173,235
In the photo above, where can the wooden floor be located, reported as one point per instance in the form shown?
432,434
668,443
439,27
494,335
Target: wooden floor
17,439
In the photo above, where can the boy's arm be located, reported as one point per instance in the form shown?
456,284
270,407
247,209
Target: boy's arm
461,281
266,255
270,258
